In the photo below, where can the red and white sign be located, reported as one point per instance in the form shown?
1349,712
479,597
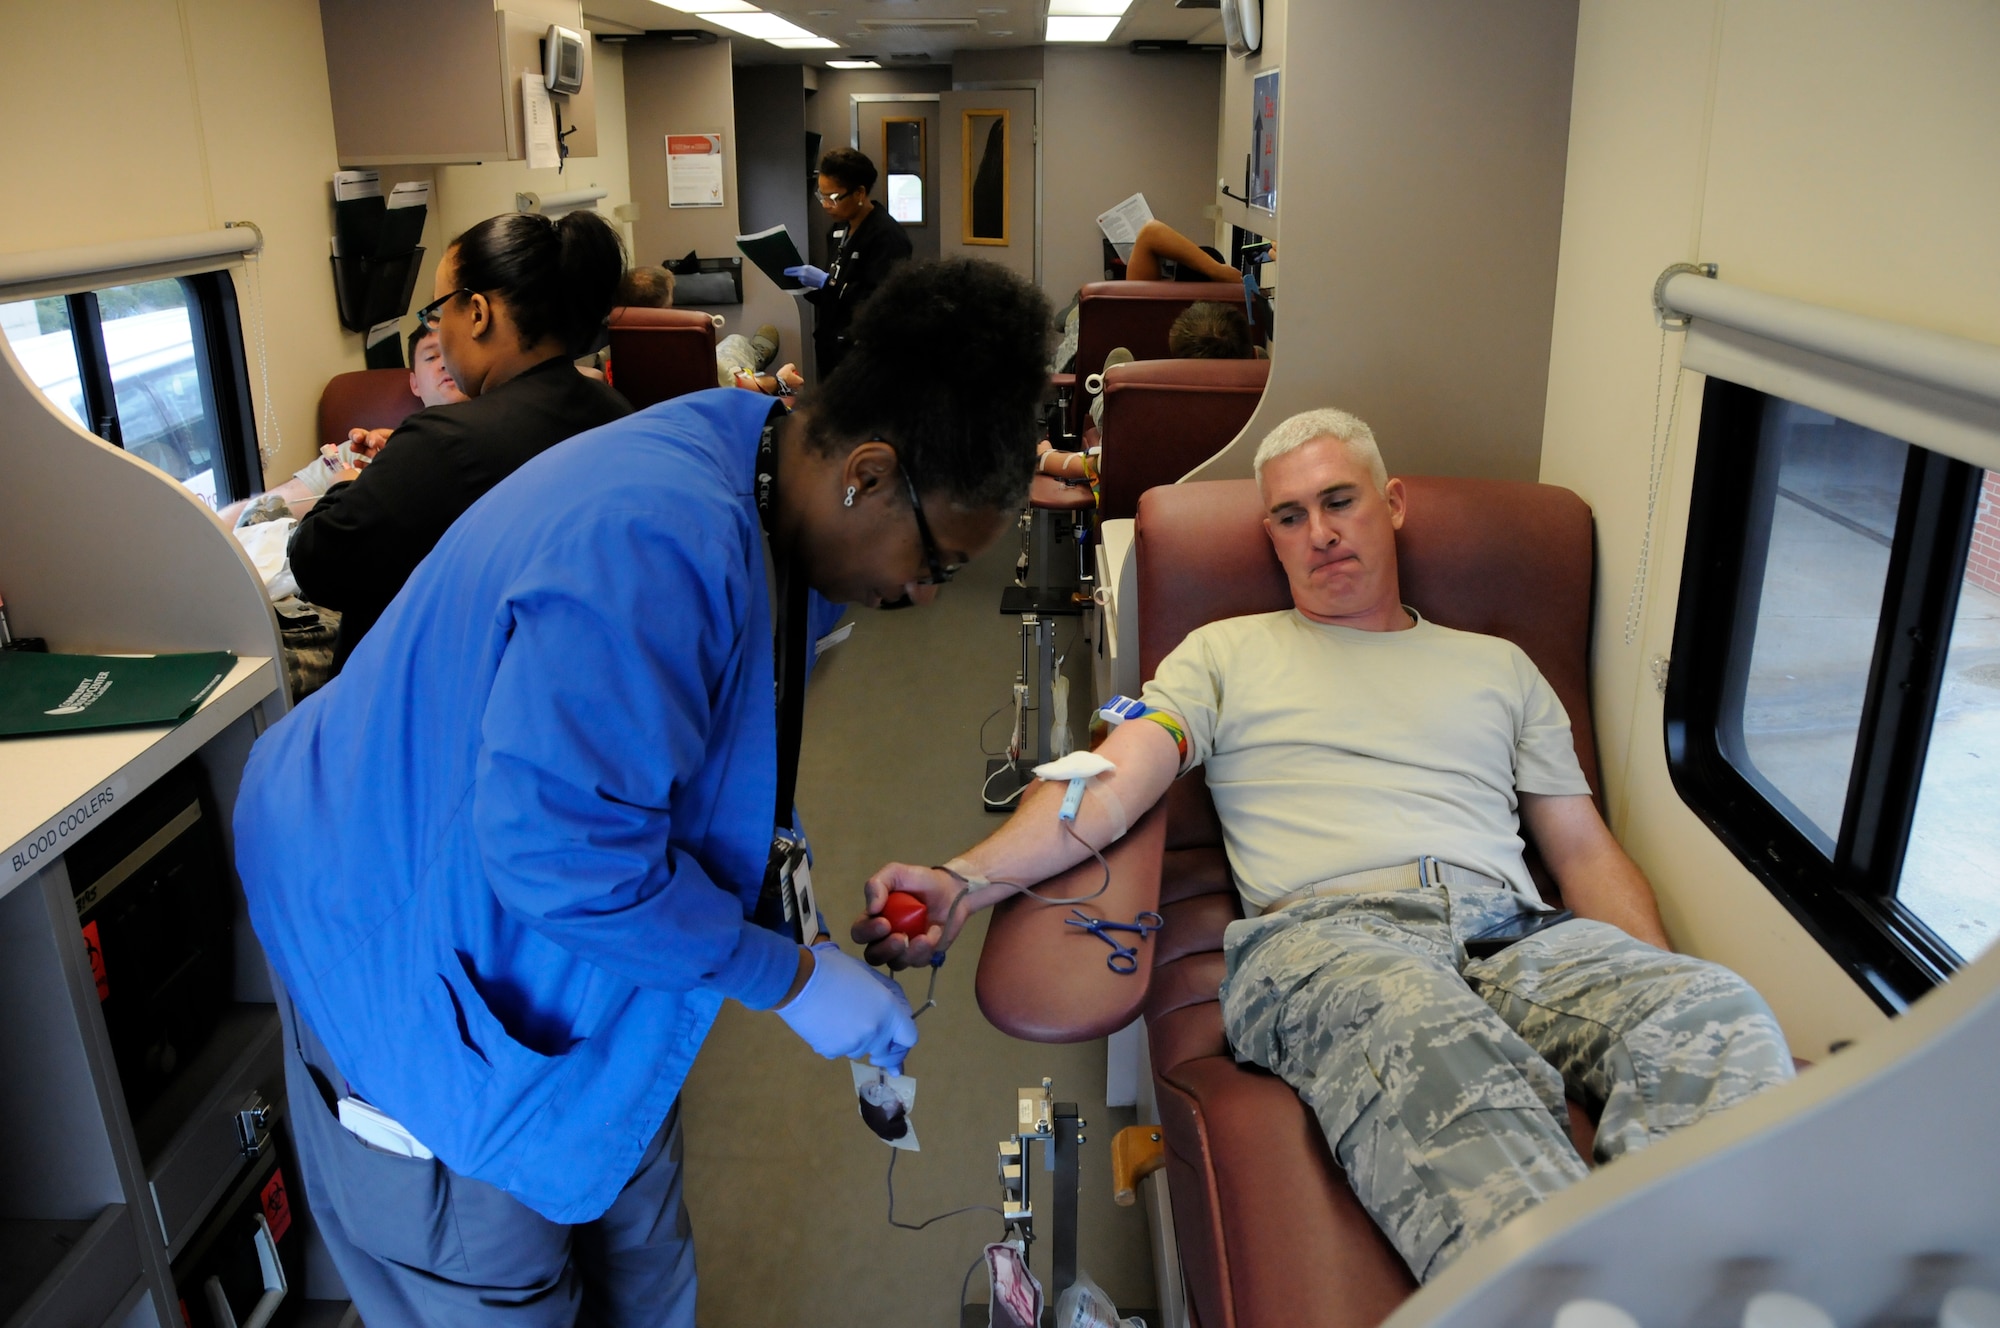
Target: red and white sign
694,170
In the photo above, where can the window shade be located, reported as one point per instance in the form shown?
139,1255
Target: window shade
1929,388
62,271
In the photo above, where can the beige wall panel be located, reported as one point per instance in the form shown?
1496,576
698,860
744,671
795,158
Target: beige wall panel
1836,153
124,163
203,112
1116,124
1856,158
1631,206
260,71
678,90
1420,180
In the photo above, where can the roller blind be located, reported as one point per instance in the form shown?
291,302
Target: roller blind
1938,391
43,272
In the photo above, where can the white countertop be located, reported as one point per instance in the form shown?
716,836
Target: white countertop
55,787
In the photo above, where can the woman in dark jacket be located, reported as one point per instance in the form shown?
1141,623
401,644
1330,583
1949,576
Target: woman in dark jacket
519,296
873,243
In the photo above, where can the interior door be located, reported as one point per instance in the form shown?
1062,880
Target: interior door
878,141
987,177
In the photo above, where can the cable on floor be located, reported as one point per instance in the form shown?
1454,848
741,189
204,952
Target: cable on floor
919,1226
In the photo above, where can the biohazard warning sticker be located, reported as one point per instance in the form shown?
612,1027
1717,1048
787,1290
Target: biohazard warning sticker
277,1204
95,950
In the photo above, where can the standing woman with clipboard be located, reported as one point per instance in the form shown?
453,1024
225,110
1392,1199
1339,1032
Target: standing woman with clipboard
557,790
872,243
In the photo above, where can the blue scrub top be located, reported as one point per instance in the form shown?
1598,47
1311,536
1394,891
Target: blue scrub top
505,862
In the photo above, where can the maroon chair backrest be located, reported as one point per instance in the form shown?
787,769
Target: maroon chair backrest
659,354
1162,418
365,399
1135,315
1495,556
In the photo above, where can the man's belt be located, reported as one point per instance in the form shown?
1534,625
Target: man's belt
1425,872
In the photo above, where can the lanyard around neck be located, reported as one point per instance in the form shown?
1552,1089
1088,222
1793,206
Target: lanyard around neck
792,628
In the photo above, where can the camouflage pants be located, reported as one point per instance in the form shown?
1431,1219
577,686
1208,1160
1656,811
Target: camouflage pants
1440,1081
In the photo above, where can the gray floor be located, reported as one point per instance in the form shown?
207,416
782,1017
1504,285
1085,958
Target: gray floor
784,1181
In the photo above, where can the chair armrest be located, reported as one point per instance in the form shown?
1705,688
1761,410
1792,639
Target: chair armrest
1046,982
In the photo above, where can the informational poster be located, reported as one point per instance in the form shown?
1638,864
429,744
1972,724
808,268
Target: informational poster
694,170
1264,142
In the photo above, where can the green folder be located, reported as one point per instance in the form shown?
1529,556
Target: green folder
63,693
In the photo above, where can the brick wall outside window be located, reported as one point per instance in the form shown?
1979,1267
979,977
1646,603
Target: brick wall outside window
1982,561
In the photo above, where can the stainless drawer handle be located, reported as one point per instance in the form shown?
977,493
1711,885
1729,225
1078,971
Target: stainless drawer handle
274,1284
253,1130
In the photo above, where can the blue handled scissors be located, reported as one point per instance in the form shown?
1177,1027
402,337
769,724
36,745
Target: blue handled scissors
1123,958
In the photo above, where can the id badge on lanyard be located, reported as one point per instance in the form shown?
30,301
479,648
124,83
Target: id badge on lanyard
788,881
786,903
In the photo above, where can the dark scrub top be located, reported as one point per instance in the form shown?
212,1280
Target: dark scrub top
358,545
554,760
872,247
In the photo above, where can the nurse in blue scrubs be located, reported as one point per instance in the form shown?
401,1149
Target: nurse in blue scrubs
506,867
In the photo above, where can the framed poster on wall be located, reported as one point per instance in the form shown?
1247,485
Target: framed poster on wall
694,170
1264,141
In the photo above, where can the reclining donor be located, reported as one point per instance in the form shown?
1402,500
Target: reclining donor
1373,773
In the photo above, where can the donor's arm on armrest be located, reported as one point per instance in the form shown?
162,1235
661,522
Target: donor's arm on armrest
1034,849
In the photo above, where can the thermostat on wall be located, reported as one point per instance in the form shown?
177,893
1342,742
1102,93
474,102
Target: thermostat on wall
562,60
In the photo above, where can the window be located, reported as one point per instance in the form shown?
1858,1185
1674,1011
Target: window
903,151
1833,707
154,367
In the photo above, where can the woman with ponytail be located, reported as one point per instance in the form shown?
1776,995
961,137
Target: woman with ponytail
519,296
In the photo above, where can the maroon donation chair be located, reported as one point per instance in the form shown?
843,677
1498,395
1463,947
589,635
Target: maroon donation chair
1270,1234
659,354
1135,315
1162,418
365,399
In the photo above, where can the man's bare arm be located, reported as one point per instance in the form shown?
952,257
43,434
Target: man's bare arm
1598,880
1030,848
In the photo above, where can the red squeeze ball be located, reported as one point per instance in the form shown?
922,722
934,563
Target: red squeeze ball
906,914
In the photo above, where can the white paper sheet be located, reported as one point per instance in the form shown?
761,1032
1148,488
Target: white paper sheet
694,170
1121,224
356,184
410,193
538,122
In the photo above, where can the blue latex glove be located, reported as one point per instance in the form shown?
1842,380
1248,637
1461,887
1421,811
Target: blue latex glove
848,1009
809,274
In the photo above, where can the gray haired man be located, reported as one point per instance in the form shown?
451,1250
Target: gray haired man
1373,773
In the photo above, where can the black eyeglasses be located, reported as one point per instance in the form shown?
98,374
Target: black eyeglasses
939,573
429,315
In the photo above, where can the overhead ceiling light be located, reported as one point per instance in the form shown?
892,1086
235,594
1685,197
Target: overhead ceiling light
852,64
805,43
764,27
1091,8
709,6
1065,28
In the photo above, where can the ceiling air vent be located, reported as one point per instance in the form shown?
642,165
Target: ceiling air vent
918,27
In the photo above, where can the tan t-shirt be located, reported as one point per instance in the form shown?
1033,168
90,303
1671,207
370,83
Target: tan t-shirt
1333,750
